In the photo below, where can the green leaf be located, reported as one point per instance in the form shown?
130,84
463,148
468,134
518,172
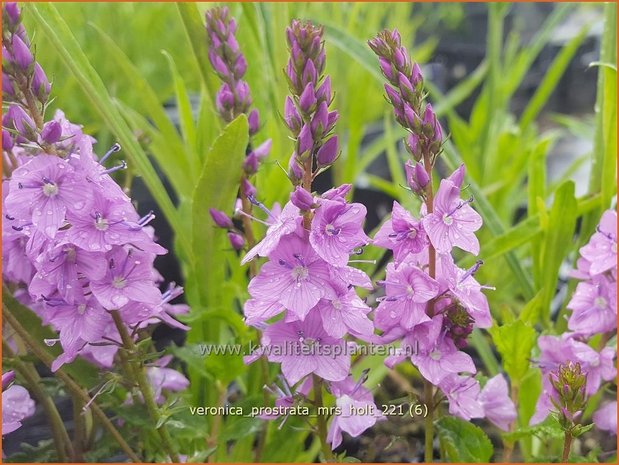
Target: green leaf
462,441
548,430
514,342
551,78
562,222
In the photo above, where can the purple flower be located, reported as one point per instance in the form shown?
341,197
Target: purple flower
304,347
129,278
466,289
162,378
16,406
407,289
605,418
285,223
337,229
42,190
346,313
294,276
497,405
601,251
594,307
453,222
402,233
358,410
462,393
436,356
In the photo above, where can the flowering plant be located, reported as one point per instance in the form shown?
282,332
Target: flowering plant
378,259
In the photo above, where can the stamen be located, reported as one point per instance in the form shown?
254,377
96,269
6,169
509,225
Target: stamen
241,212
471,271
608,236
122,166
113,149
260,205
373,262
460,205
299,258
150,216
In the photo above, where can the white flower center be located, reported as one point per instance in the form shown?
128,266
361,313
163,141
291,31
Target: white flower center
600,302
101,223
448,220
412,234
409,290
331,230
119,282
337,304
436,354
81,309
50,189
299,273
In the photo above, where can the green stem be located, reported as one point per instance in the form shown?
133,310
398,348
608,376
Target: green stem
28,372
71,385
144,385
321,420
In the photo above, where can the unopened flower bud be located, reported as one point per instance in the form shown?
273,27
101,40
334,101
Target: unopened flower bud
250,164
413,146
295,171
302,199
9,376
431,124
386,68
416,77
310,74
236,240
328,153
393,96
307,100
323,93
416,177
7,86
12,13
320,121
7,141
21,122
292,117
247,188
263,149
21,53
51,132
254,122
41,86
221,219
305,141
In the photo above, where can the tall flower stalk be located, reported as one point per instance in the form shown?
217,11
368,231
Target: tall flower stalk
303,297
75,249
430,304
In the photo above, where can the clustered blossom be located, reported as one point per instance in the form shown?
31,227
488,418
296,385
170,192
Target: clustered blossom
594,312
430,304
304,298
232,100
74,246
16,404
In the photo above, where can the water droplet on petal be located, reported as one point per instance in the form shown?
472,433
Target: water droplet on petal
392,314
78,205
119,300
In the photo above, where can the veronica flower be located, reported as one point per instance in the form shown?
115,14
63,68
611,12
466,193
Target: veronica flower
162,378
345,313
304,347
294,276
605,418
352,398
436,356
497,405
601,251
129,277
462,393
453,222
407,289
16,404
337,229
284,223
42,190
402,233
594,307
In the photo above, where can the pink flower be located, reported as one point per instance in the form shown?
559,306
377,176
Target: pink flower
162,378
605,417
601,251
16,406
345,313
358,411
304,347
294,276
283,224
465,288
436,356
462,393
337,229
453,222
402,233
407,290
497,405
594,306
129,278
